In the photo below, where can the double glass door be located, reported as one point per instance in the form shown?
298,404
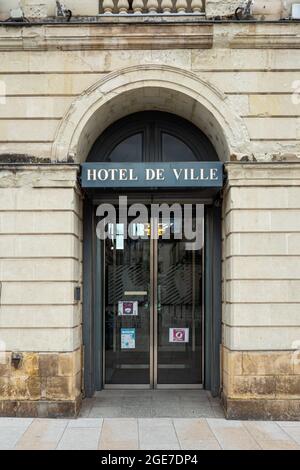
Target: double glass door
153,307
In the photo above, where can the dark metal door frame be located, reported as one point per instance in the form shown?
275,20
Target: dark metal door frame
93,301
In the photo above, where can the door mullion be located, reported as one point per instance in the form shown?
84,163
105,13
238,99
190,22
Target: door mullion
151,294
154,237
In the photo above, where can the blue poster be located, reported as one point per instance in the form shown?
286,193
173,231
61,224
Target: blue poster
127,338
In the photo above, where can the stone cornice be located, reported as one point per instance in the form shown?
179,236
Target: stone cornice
263,174
266,41
149,35
110,37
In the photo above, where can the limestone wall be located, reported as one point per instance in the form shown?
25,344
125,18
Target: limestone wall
261,291
40,264
256,67
33,7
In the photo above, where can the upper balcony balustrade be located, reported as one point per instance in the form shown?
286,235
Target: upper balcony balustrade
152,7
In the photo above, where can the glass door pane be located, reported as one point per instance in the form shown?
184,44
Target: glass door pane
127,307
179,309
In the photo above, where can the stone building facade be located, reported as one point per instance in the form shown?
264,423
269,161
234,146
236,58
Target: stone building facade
61,85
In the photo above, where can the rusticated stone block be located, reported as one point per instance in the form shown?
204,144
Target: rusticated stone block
34,388
20,388
66,364
232,362
41,377
288,386
40,409
5,365
69,364
26,409
48,364
60,388
16,389
296,362
266,409
8,408
252,386
29,366
3,386
273,363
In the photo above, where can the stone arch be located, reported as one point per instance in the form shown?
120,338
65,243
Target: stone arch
149,87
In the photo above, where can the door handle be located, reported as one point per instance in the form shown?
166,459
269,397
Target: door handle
136,292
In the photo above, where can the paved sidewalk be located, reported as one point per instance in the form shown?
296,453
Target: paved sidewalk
146,433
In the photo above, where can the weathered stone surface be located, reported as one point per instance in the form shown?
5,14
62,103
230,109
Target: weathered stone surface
253,386
48,364
274,363
262,9
277,410
223,8
59,388
69,364
288,386
42,376
40,409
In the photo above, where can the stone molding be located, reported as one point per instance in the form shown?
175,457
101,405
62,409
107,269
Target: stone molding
38,176
263,174
266,41
108,37
203,97
137,34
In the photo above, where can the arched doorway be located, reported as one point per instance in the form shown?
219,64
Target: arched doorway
151,303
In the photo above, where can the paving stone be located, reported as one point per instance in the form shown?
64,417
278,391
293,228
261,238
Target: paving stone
11,430
80,439
279,445
147,433
292,430
119,434
201,445
232,435
192,429
86,423
266,431
42,434
195,434
157,432
160,447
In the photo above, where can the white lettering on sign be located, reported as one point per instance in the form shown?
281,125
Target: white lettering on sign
191,174
155,175
113,174
168,175
213,174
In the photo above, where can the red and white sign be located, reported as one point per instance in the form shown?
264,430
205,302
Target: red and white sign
178,335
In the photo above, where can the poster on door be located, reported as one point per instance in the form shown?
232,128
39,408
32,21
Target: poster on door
127,338
128,308
178,335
